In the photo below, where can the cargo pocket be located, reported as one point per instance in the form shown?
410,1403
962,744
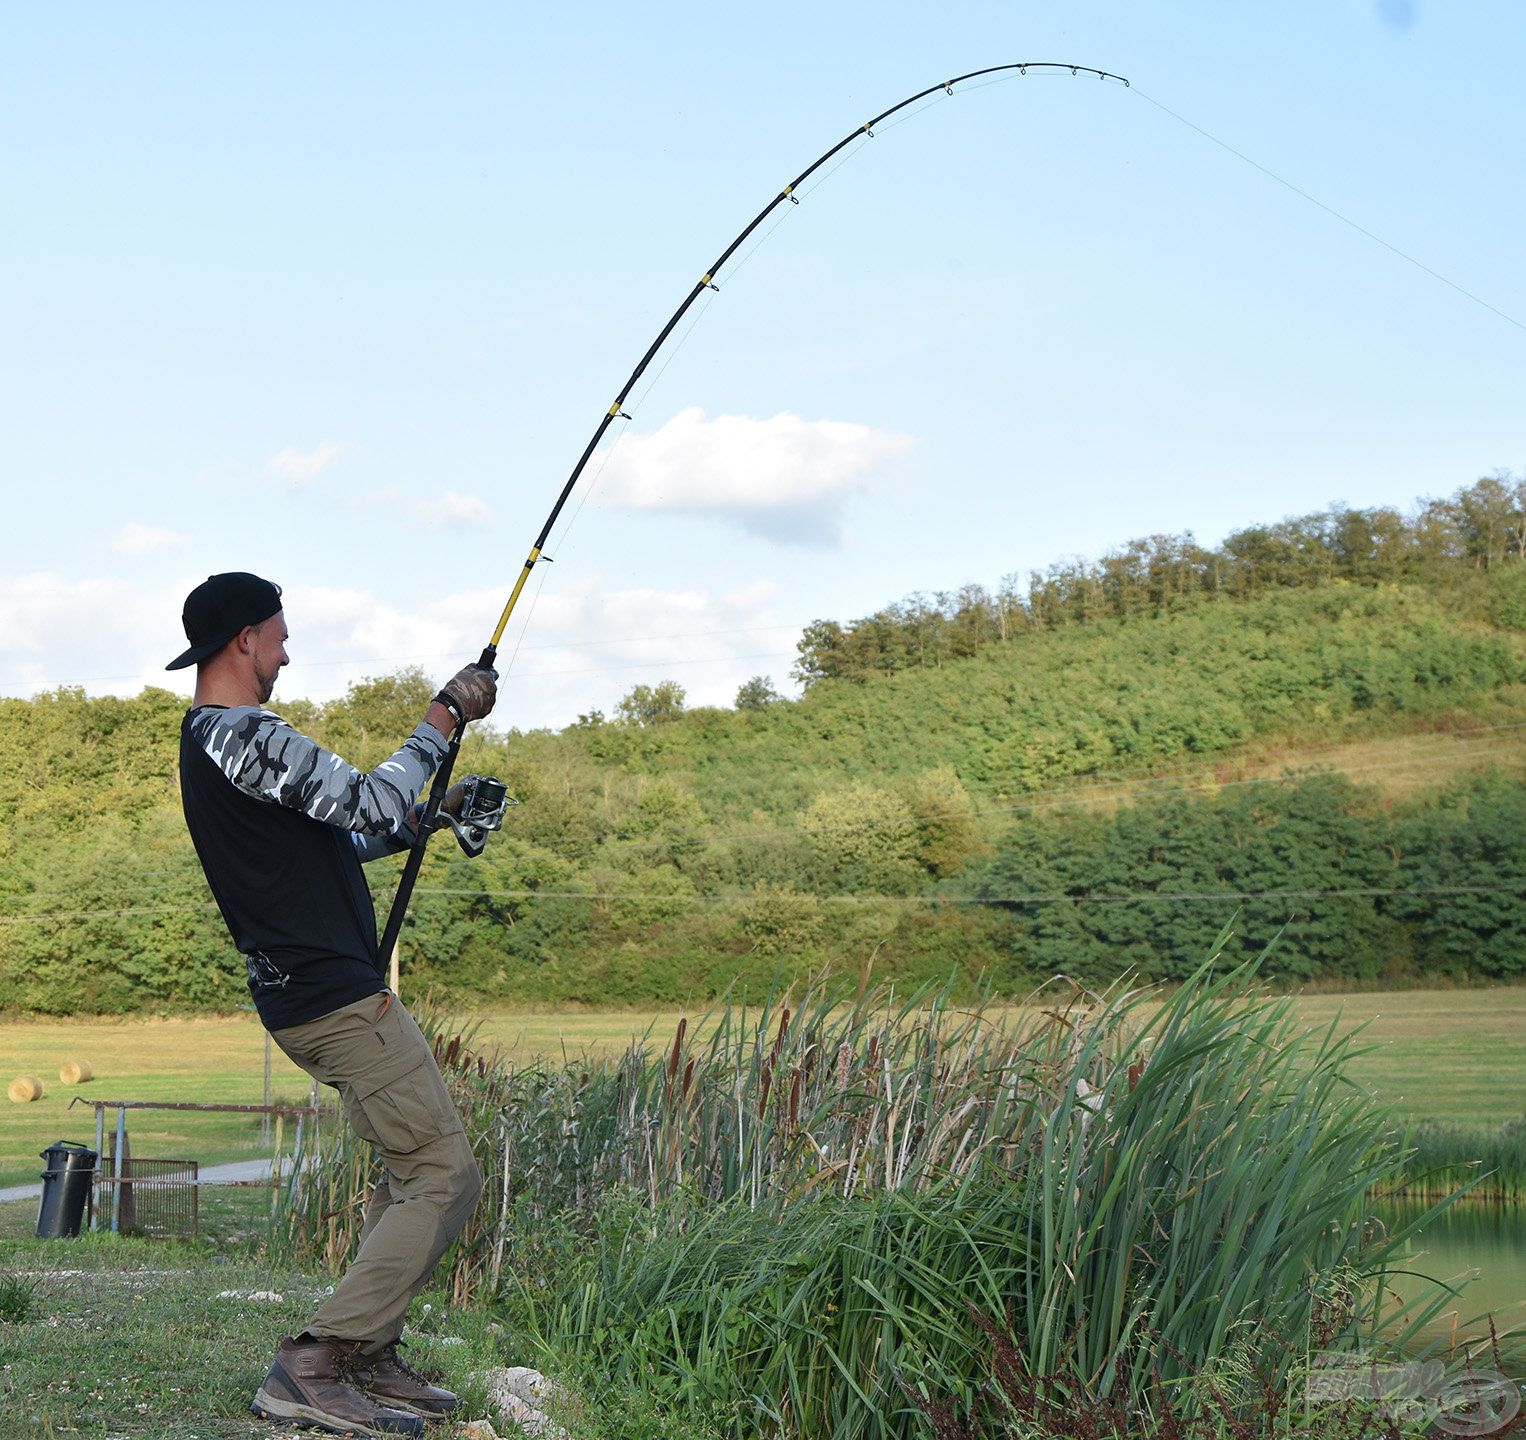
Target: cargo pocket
405,1112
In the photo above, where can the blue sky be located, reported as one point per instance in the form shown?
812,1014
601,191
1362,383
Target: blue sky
338,293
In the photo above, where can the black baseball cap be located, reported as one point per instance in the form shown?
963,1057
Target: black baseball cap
217,609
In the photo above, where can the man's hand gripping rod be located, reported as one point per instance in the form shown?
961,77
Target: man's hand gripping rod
431,813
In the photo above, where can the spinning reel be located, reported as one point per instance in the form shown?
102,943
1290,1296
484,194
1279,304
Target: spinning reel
482,810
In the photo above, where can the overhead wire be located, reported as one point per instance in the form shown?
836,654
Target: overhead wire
1056,798
940,901
1084,792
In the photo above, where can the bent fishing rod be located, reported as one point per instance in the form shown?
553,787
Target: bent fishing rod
481,815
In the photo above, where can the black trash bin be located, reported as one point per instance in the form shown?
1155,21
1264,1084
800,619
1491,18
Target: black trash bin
66,1186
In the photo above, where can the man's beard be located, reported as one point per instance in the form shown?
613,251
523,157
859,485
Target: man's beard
267,683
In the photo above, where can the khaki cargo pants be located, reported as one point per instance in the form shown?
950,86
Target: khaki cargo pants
373,1053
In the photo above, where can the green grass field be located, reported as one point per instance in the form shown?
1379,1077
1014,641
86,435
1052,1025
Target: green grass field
1454,1056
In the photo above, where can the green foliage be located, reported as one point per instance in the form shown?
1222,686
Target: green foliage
20,1298
1489,1164
1343,885
1466,864
863,839
779,921
652,704
756,693
947,829
1482,527
374,716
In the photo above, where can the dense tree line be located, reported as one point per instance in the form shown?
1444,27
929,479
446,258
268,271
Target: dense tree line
1346,886
927,821
1480,528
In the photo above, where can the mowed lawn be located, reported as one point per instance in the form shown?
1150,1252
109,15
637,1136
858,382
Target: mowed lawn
1457,1056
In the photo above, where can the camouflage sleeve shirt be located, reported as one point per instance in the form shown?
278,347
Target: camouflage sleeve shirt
265,758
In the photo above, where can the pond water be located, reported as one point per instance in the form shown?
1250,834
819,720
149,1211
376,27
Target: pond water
1473,1235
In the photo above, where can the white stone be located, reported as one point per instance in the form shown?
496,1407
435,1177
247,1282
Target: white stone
530,1385
514,1391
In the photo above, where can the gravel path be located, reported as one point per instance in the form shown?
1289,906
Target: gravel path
211,1175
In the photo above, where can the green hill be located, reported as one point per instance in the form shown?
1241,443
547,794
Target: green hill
1083,779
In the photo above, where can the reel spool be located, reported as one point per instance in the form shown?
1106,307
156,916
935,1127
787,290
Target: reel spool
482,811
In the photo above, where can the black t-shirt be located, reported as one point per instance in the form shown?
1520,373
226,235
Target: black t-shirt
281,826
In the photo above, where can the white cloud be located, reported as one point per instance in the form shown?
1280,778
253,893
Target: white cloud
454,511
302,467
134,539
582,649
784,478
449,511
105,635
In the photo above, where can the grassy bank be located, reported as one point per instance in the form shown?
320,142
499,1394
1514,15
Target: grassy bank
109,1337
820,1217
778,1223
112,1339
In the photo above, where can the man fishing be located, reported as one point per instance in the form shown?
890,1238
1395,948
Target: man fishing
282,826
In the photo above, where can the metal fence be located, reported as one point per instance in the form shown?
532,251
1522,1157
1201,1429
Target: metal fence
157,1198
161,1198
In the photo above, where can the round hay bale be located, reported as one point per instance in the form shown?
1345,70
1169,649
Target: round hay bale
25,1088
76,1072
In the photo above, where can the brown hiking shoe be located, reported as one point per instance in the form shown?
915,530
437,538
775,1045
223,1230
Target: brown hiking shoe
305,1385
386,1376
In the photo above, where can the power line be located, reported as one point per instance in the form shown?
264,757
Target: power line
1055,799
1125,897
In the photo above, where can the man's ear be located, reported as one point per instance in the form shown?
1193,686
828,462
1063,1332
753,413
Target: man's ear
245,640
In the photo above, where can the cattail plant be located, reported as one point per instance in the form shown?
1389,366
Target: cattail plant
787,1211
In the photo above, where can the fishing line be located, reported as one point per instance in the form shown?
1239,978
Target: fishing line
1331,210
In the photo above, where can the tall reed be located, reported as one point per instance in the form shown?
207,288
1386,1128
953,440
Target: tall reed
788,1210
1441,1159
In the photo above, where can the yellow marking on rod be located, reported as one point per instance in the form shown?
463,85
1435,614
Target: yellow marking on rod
614,409
519,585
789,189
705,279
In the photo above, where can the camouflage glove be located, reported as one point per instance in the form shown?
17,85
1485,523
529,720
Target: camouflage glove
470,693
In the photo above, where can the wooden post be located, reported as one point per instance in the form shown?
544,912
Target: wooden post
265,1118
118,1168
100,1165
